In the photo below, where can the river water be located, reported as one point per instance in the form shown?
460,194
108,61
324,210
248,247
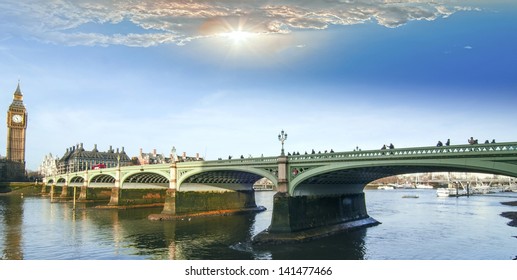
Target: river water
423,228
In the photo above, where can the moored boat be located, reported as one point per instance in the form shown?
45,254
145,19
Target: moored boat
422,186
385,187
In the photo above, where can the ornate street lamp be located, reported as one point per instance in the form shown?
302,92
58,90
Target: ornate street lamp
173,154
282,137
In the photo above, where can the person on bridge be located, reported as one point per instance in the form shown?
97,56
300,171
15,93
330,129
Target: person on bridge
448,143
440,144
391,148
472,141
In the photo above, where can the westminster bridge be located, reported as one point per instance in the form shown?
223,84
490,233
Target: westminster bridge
313,190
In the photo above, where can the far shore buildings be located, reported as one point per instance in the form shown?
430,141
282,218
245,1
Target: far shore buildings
77,158
48,167
155,158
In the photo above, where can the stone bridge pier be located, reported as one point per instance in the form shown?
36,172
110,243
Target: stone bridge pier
312,209
205,192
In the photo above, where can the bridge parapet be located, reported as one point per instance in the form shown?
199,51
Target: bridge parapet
230,162
416,153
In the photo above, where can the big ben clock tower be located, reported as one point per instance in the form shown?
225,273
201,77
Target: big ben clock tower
16,126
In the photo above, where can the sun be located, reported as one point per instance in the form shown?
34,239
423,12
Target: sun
238,36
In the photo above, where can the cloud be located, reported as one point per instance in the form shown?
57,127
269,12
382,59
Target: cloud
156,22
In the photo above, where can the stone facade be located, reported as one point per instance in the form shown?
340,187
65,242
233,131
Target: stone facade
76,159
155,158
48,167
151,158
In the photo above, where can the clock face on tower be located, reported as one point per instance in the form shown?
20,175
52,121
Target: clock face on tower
17,118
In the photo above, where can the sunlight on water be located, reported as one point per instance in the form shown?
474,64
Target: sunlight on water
424,228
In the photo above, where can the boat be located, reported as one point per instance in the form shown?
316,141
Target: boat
446,192
410,196
443,192
385,187
422,186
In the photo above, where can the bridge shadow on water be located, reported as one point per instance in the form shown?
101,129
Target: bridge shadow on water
214,238
341,246
202,238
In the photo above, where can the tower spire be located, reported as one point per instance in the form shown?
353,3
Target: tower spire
18,90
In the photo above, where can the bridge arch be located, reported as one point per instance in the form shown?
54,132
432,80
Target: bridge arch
76,181
234,178
145,179
102,180
351,177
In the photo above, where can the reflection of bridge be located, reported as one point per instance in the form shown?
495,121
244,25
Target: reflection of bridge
313,190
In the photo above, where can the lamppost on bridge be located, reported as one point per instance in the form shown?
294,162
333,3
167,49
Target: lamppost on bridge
282,137
174,157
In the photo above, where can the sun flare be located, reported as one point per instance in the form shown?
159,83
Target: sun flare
238,36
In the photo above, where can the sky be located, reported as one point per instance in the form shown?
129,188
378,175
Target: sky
223,78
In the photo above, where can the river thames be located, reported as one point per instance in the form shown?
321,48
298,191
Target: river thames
423,228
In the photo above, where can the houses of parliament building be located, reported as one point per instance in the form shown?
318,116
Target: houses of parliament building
12,166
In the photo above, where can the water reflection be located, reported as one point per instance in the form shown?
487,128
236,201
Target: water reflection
194,238
11,211
343,246
34,228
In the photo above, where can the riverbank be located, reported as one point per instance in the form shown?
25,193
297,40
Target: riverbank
25,188
169,217
512,215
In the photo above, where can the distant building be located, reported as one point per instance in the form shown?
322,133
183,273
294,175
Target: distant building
78,159
151,158
155,158
49,165
184,157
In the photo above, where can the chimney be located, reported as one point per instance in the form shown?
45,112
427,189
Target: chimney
197,156
184,155
154,152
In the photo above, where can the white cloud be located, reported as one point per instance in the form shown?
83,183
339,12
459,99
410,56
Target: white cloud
178,21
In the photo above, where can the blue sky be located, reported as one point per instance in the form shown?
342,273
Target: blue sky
224,78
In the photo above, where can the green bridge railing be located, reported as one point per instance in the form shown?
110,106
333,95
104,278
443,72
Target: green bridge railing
418,152
496,149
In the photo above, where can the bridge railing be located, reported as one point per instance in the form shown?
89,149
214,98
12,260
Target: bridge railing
238,161
418,152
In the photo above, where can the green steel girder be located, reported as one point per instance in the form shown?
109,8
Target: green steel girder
77,179
363,172
346,168
102,178
146,178
225,175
